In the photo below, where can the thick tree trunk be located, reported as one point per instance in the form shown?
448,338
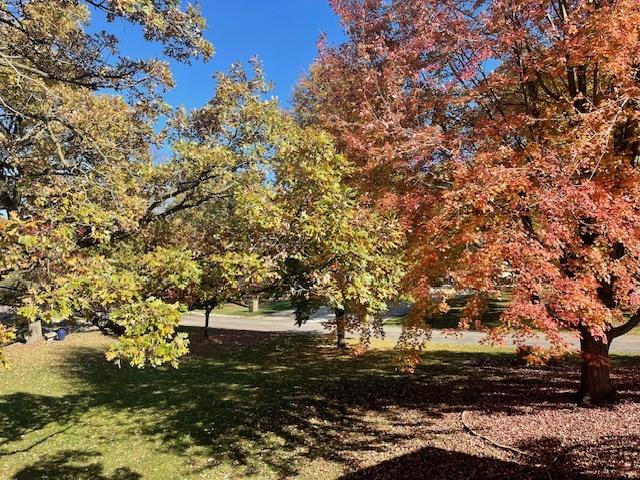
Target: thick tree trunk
341,328
595,382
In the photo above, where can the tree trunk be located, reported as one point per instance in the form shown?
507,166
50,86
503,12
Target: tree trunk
595,382
341,327
207,314
254,303
34,332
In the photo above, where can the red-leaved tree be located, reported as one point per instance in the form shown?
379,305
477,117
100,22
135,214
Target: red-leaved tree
508,133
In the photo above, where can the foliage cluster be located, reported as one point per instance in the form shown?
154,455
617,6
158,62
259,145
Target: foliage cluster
249,201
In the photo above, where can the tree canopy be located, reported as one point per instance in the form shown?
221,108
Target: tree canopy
489,145
93,228
76,122
506,133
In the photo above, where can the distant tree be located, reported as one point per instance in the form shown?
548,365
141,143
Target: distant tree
507,133
356,274
234,254
288,214
340,254
232,235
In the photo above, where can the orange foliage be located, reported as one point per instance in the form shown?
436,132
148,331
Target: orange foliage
508,135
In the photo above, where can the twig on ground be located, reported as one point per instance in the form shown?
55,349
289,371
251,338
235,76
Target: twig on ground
488,440
562,454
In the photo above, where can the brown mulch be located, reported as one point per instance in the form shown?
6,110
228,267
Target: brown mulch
527,410
220,340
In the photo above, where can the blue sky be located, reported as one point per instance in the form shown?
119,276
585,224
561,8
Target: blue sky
282,33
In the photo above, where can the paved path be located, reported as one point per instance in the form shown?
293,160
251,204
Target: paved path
283,322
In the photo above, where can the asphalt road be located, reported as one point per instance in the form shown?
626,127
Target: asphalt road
628,345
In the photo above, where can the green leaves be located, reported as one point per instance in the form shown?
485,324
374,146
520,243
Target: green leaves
117,294
347,256
150,336
77,122
100,232
6,335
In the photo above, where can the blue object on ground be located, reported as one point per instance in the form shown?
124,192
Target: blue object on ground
60,334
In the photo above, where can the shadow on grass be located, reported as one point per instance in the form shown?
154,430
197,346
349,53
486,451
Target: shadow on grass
73,465
285,400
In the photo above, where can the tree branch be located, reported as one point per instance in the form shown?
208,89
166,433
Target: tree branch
618,331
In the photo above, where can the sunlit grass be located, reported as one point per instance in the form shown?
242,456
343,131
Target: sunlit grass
243,413
451,319
253,406
265,308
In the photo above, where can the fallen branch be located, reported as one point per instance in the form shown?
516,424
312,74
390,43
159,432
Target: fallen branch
488,440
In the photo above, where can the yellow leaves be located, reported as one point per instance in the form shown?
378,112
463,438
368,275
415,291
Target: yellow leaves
29,312
171,273
181,31
28,241
50,19
113,289
80,175
150,338
47,305
7,334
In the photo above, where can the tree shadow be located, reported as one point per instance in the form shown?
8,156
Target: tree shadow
22,413
73,465
289,399
432,463
616,456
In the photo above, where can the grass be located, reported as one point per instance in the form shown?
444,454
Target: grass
265,308
259,412
456,306
451,319
251,405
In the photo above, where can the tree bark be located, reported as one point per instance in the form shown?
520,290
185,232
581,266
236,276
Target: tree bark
207,314
341,327
595,381
34,332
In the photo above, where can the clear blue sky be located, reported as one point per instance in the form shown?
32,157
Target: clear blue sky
282,33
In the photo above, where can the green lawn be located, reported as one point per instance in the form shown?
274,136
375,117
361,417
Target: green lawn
451,319
251,405
276,407
456,305
265,308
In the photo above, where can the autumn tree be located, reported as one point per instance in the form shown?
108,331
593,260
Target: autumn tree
507,133
136,283
94,228
340,253
77,121
229,146
358,276
287,218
